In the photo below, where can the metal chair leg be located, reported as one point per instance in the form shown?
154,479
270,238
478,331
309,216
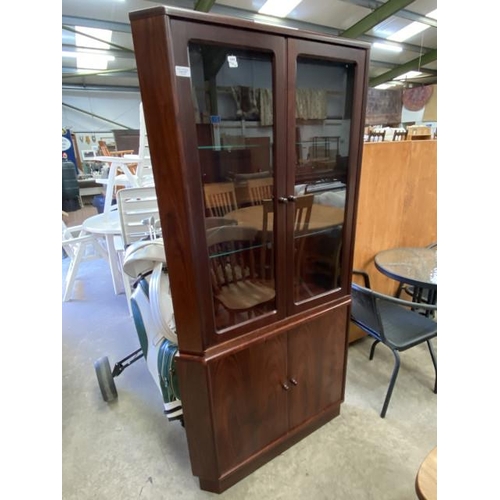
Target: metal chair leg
372,350
434,362
394,375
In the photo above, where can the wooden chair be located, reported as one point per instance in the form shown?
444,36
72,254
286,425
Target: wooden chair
259,189
132,166
303,208
267,249
376,136
220,198
236,282
400,135
106,152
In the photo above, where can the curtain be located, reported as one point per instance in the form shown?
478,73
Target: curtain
258,103
266,106
311,104
246,102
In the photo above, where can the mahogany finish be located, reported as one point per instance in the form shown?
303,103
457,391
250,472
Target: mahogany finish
255,387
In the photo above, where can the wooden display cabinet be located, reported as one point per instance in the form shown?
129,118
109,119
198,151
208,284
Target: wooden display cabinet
262,336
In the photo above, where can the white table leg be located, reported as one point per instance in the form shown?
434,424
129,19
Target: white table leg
110,188
116,275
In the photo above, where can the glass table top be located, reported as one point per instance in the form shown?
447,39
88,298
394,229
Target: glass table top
415,266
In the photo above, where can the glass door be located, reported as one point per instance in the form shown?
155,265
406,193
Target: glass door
233,91
320,128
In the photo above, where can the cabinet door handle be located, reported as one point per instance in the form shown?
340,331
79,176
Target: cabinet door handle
292,198
282,199
285,386
293,381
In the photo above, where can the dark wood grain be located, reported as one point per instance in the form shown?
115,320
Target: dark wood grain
250,391
316,362
249,402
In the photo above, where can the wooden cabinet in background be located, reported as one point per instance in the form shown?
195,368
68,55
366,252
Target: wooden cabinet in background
262,338
397,205
419,132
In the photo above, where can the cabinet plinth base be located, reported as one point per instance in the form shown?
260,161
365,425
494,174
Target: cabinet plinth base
246,468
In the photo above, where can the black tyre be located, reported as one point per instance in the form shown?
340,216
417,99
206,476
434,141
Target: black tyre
105,379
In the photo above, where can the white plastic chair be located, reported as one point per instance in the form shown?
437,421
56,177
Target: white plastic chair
79,246
139,220
143,173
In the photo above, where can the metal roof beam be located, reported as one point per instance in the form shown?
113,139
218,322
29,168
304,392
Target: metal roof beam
93,115
380,14
117,53
412,65
406,46
96,23
403,13
72,30
204,5
124,71
99,88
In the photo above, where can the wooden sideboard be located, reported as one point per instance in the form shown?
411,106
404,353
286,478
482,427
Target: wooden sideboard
397,204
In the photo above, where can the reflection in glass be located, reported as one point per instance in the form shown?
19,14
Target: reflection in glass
232,92
322,127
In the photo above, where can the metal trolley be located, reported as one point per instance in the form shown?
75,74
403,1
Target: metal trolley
153,316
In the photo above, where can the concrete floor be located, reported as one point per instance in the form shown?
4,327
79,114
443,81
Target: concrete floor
128,450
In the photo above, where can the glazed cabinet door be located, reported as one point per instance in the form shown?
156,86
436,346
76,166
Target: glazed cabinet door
249,401
227,82
316,365
325,96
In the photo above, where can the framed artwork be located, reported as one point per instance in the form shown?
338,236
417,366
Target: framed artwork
384,106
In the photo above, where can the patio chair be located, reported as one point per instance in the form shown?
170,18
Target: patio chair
394,323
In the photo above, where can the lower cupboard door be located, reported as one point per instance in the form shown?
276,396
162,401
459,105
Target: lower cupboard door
316,355
249,401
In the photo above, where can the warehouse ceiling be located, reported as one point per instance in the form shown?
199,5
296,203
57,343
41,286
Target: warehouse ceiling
373,21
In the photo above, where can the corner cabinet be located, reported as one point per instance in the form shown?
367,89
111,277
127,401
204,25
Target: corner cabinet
255,134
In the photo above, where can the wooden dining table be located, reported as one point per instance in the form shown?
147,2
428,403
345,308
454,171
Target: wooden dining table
322,217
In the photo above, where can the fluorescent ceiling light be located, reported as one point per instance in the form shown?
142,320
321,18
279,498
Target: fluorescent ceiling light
410,74
81,52
386,46
279,8
412,29
387,85
97,39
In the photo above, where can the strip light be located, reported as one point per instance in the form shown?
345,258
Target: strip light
97,39
279,8
386,46
412,29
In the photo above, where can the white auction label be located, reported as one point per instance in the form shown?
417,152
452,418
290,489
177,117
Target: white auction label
184,71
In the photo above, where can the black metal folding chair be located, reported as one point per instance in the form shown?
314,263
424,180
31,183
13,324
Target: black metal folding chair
393,322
